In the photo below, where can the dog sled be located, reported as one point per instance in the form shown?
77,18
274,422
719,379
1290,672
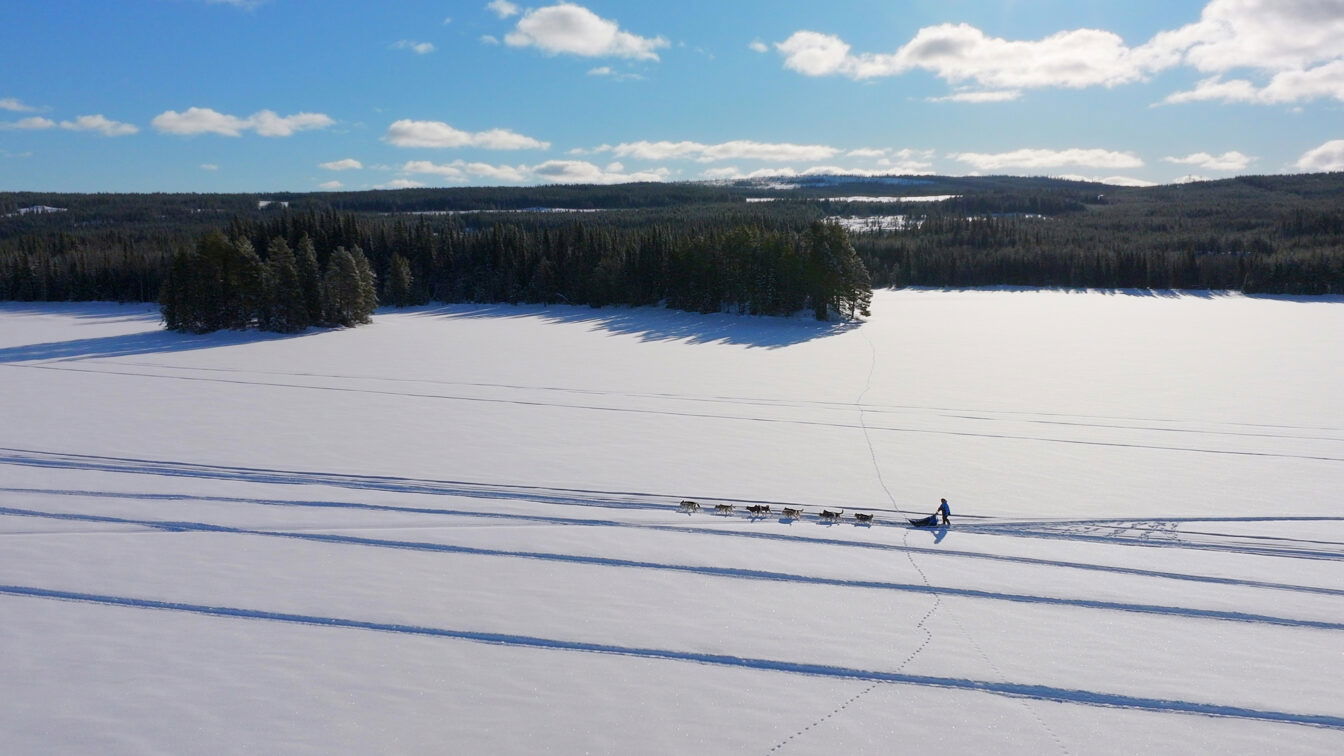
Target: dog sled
926,522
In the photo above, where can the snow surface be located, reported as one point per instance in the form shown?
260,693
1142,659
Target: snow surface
455,530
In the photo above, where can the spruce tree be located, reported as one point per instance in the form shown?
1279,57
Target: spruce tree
283,307
400,286
310,278
368,286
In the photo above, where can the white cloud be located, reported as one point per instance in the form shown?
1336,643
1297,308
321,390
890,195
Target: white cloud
1228,161
331,185
400,183
866,152
409,133
99,123
575,30
961,52
1299,43
581,172
33,123
551,171
1324,81
1271,35
419,48
461,170
1191,178
995,95
612,73
740,149
1112,180
1328,157
346,164
15,105
1044,158
502,8
757,46
209,167
264,122
489,39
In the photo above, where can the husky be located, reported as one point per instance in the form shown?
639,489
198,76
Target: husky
759,509
827,514
793,513
861,517
723,508
687,505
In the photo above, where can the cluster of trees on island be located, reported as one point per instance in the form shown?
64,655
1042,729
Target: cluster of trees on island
224,282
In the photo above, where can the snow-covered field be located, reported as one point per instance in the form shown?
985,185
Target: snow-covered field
455,530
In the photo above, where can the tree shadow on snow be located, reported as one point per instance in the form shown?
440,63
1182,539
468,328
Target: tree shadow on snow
660,324
126,345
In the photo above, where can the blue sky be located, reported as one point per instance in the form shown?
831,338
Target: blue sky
307,95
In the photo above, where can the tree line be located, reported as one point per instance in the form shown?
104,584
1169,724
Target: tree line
232,281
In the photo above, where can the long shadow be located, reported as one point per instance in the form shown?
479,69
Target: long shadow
1015,690
670,413
939,533
1011,416
565,496
724,572
99,311
144,342
659,324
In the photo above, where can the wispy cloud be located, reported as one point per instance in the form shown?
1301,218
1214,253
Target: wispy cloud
32,123
550,171
100,124
410,133
997,95
1046,158
346,164
16,105
1228,161
419,48
502,8
740,149
264,122
611,73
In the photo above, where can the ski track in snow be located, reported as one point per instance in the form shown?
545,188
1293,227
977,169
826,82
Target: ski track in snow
1029,691
729,418
550,520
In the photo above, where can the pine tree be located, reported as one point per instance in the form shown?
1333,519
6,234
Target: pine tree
347,291
283,307
310,278
399,289
368,286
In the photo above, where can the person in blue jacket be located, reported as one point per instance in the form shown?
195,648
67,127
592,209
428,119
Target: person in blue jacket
943,510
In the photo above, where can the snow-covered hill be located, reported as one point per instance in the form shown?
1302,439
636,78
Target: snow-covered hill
456,530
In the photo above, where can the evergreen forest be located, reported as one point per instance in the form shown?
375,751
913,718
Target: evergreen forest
284,262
